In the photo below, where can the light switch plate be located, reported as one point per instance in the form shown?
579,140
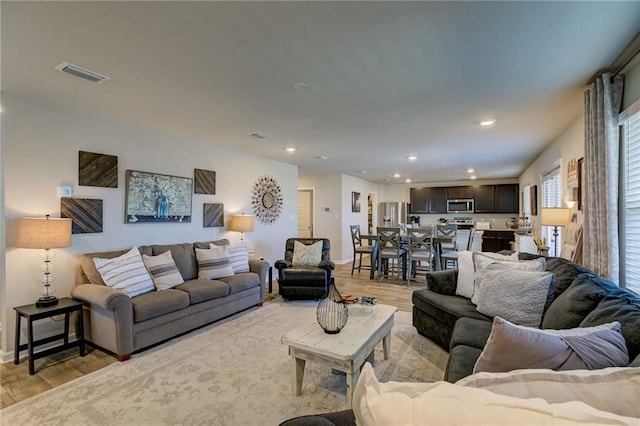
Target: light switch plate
64,191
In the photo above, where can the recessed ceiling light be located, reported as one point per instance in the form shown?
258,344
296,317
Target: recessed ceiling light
298,86
488,122
470,170
473,177
396,175
320,157
260,135
408,180
412,157
291,149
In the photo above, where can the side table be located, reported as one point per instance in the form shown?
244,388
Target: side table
31,313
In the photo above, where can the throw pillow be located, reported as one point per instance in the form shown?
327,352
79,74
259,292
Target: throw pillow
214,263
163,270
586,386
443,403
517,296
239,256
481,261
466,271
304,255
512,347
126,273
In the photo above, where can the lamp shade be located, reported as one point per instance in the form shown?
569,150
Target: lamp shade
555,216
44,233
241,223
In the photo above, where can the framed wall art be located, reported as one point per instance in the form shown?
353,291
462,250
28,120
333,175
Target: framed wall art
266,199
153,197
534,200
205,181
355,202
213,215
97,170
85,214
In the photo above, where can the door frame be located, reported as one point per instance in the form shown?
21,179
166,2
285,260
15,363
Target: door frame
312,207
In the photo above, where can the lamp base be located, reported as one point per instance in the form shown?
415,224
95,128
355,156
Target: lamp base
46,301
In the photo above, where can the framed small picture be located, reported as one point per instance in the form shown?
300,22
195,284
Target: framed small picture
153,197
355,202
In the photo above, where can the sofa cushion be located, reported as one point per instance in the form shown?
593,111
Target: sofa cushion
471,332
89,268
163,270
239,254
518,296
625,310
241,281
527,347
467,271
183,256
446,309
588,386
126,273
573,305
203,290
462,358
565,272
214,262
158,303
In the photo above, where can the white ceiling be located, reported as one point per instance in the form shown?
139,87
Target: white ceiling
385,79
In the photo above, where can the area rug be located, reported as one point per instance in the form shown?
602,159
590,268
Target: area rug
234,372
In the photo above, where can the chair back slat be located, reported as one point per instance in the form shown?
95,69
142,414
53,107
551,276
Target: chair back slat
356,240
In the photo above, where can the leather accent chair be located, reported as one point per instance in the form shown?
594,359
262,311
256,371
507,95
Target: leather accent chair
304,282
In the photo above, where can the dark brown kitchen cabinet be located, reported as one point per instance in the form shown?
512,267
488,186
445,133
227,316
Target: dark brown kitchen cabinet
507,198
496,240
438,200
419,199
460,192
484,199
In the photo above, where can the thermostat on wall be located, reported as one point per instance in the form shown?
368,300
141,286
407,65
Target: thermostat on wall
64,191
327,210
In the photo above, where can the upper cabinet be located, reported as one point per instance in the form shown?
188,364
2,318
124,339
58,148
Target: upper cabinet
460,192
487,198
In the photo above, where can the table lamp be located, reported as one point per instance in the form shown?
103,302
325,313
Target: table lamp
45,233
241,223
555,216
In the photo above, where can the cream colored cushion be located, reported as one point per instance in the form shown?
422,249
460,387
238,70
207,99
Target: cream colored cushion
214,262
588,386
163,270
239,257
443,403
466,271
126,273
307,255
482,260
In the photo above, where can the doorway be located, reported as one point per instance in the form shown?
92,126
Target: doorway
305,213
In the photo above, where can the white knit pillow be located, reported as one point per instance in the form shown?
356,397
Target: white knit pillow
163,270
239,256
307,255
214,263
126,273
481,261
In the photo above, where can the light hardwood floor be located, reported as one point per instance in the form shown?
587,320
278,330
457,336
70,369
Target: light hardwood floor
16,384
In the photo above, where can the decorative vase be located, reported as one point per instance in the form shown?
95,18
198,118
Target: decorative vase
332,313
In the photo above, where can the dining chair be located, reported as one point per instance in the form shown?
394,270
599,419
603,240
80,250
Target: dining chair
419,249
390,249
450,257
358,249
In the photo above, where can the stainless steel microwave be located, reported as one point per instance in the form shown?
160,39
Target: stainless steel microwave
460,206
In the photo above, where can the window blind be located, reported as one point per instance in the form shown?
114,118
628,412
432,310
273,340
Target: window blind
630,256
552,197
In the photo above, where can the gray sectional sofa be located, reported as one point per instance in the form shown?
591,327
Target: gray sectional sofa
123,325
581,299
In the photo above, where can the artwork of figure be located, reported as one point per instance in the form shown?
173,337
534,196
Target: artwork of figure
162,206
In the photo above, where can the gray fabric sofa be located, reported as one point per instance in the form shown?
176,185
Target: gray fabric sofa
123,325
581,299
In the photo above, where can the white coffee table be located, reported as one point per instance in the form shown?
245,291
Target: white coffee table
346,351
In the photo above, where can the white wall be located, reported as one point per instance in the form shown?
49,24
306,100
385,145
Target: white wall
567,146
40,152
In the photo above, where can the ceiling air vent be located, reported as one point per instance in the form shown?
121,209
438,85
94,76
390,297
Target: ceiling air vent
77,71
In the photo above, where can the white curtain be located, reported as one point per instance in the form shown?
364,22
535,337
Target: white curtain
601,149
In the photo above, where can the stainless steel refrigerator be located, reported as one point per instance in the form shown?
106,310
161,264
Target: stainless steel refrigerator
392,213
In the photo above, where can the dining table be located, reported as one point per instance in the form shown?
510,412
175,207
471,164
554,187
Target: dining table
404,239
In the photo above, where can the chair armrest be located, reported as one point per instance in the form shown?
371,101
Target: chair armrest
260,267
106,297
443,282
281,264
327,264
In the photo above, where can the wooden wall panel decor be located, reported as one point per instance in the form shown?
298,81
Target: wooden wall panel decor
213,215
97,170
205,181
85,214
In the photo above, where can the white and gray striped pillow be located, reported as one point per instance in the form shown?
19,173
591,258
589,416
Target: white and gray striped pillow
163,270
214,263
239,256
126,273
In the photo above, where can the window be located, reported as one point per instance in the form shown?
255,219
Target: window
526,202
630,195
552,197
